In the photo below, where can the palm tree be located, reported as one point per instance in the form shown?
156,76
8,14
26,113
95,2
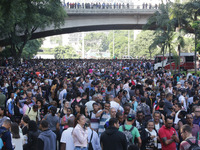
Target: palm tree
178,16
193,13
164,27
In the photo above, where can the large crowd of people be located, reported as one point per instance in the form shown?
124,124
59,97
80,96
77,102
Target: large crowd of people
103,5
97,104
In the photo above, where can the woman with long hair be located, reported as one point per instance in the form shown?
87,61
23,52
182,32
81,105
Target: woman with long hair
17,137
32,136
78,109
65,118
80,133
40,110
64,110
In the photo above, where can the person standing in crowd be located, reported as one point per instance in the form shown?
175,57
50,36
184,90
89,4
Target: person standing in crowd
6,135
197,116
53,121
189,140
168,107
80,133
112,139
93,118
24,124
65,118
128,127
32,136
47,138
17,137
195,127
66,140
2,99
104,115
93,137
158,123
149,137
2,115
140,122
167,135
32,112
144,108
63,95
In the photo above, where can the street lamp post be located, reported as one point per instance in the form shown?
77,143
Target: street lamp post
128,43
83,46
113,44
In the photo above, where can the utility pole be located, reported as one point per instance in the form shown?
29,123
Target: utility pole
113,44
128,43
83,46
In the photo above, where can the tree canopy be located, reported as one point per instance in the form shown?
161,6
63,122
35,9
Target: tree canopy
21,18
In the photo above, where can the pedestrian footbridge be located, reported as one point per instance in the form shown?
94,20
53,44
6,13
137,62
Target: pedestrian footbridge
79,20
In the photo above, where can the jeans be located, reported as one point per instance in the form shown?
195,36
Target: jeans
79,148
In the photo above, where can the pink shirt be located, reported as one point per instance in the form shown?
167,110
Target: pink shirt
80,136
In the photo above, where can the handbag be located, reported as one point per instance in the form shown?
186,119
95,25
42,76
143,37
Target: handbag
90,147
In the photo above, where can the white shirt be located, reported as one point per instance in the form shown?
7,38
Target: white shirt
68,139
18,143
61,96
115,105
182,100
176,117
95,139
89,105
153,132
157,127
189,101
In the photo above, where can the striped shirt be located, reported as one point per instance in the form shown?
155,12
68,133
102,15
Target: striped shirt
102,122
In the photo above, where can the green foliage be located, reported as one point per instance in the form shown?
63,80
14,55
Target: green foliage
96,42
120,43
21,18
66,52
31,48
143,44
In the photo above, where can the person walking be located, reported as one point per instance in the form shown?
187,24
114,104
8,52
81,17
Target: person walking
80,133
112,139
46,139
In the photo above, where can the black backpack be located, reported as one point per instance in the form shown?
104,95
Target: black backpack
90,147
193,146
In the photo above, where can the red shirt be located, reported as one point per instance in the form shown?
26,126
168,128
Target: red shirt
166,132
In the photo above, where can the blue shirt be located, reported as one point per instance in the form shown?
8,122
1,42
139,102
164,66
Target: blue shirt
196,121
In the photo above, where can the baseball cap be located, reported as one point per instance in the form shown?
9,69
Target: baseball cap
130,117
178,83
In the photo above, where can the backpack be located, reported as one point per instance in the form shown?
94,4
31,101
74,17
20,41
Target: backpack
193,146
90,147
1,141
129,136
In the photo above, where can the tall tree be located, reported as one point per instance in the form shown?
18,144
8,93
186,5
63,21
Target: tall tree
193,13
30,49
21,18
65,52
164,26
